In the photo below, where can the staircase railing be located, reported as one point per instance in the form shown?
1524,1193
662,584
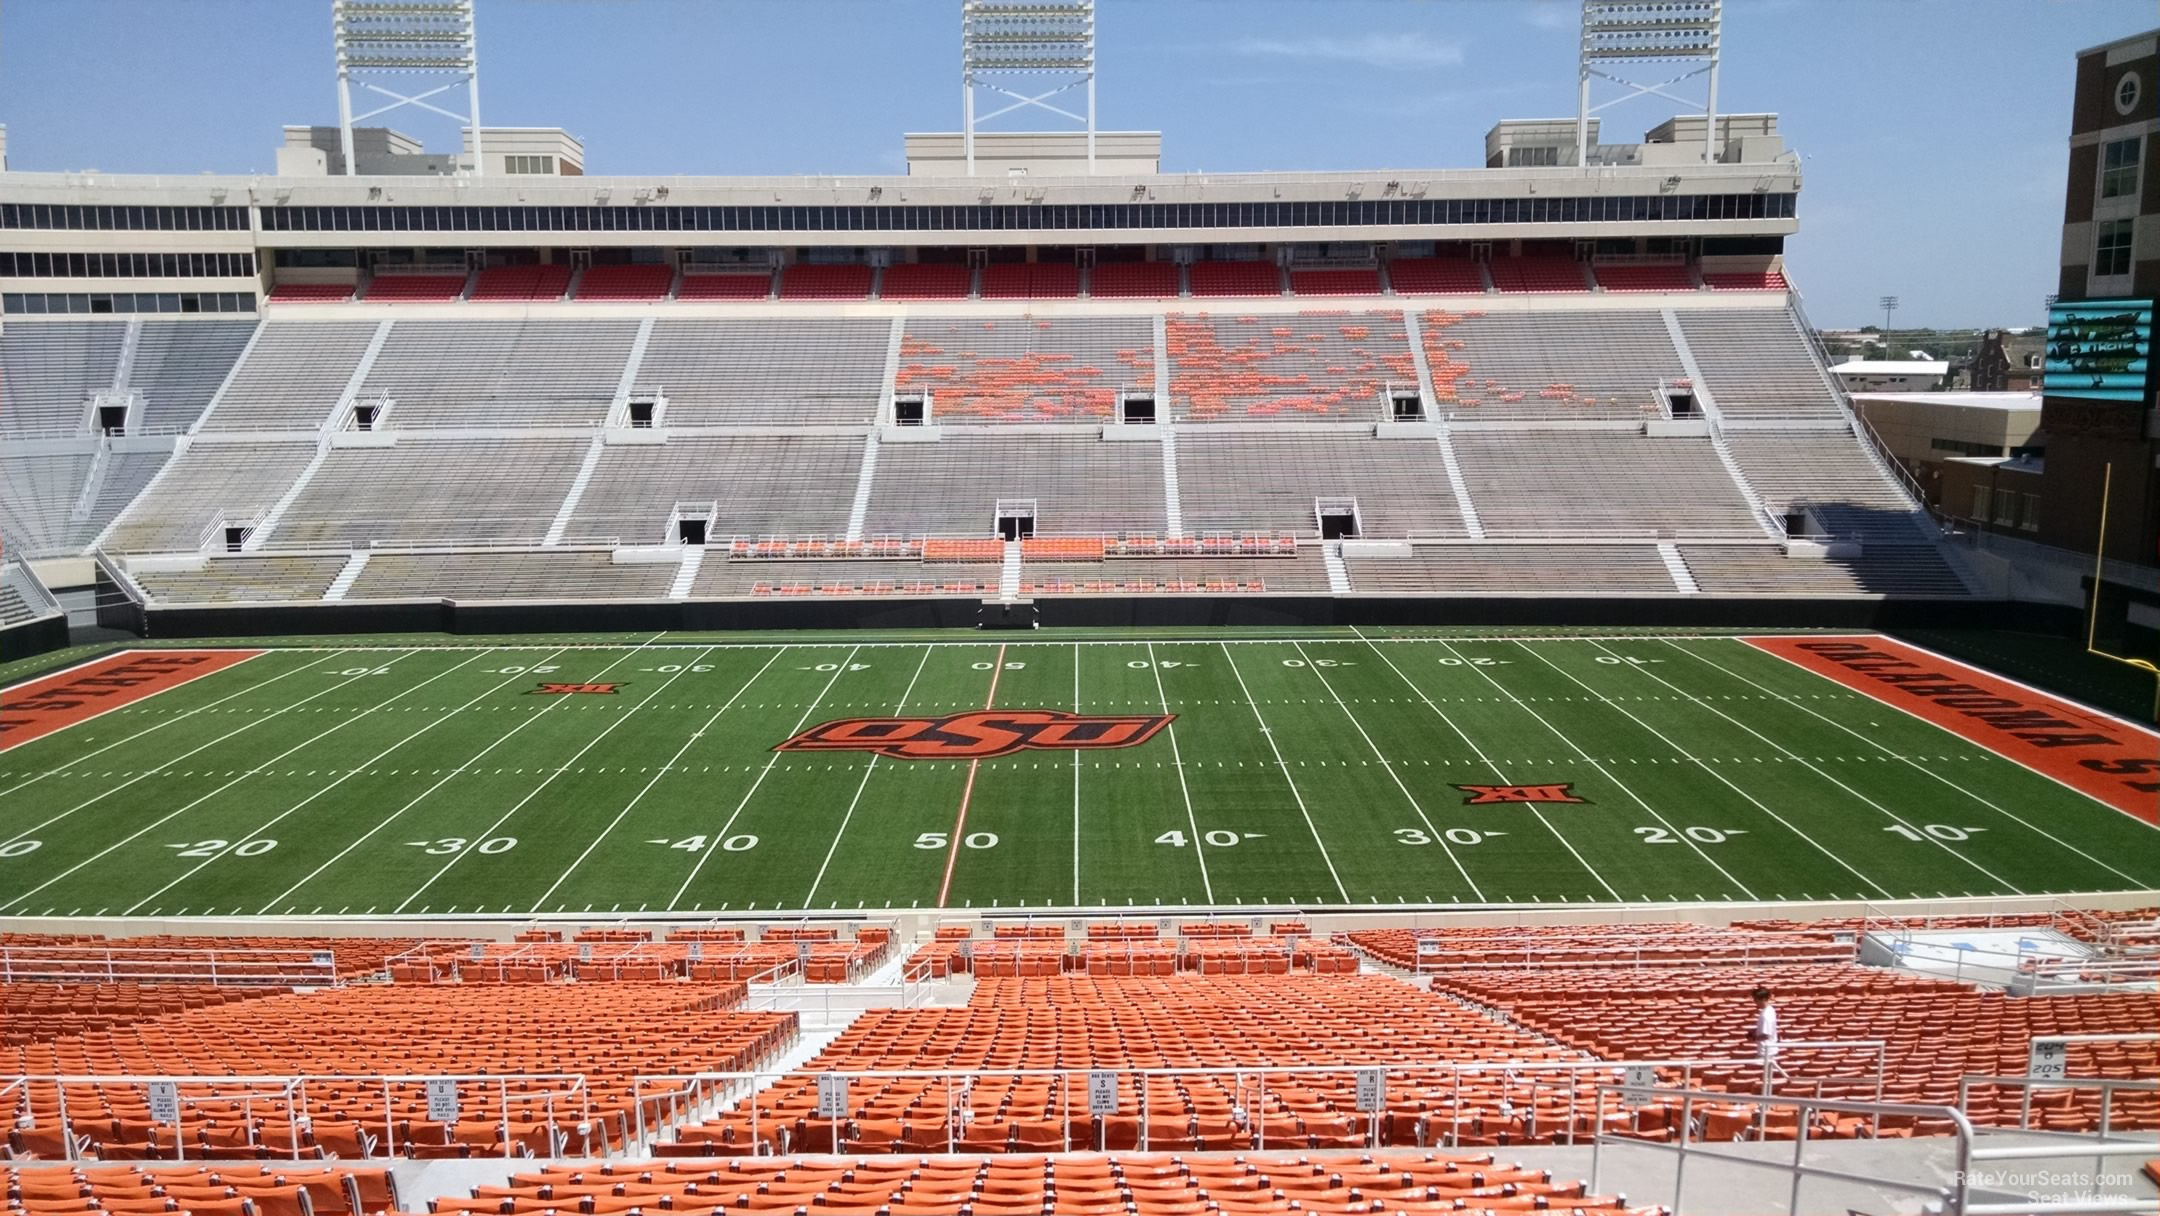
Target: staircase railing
1870,442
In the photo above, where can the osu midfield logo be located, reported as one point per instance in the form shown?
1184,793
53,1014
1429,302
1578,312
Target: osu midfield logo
1481,795
601,689
978,734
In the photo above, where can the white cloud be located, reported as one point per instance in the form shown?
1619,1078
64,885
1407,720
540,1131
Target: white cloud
1410,50
1552,15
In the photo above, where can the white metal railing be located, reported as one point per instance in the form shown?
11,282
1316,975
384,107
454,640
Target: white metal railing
1438,1090
1631,952
1870,441
558,1107
1952,1195
2025,1084
92,963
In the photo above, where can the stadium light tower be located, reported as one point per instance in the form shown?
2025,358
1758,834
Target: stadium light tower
1620,38
1007,39
1889,306
431,39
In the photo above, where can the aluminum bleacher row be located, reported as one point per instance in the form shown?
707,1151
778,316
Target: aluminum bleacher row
512,434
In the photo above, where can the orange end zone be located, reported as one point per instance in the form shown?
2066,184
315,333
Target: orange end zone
2112,760
39,707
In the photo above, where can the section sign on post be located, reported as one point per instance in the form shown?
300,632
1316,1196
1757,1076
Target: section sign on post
1102,1092
164,1102
442,1106
832,1096
1371,1089
2048,1061
1640,1079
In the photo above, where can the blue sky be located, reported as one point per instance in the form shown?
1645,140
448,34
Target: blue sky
1934,130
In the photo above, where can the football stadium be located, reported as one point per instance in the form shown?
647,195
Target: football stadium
1031,683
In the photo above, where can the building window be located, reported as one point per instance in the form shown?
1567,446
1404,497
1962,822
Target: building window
2111,247
1963,447
2006,508
1980,503
2119,167
2031,522
2127,91
529,164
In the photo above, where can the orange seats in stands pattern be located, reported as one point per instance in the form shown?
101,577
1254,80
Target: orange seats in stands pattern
239,1190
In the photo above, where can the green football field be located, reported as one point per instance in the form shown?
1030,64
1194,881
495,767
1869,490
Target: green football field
1315,768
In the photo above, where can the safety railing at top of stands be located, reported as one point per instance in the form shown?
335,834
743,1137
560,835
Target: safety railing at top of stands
93,963
1516,953
1965,1191
495,544
1545,1094
564,1121
1990,539
2025,1084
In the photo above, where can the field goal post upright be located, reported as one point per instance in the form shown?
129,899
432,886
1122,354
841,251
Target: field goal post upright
1621,38
1002,40
430,39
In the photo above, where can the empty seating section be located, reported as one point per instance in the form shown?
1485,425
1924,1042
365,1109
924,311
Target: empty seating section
1332,364
311,293
568,574
540,1038
1832,475
1517,570
1232,482
1335,281
475,489
1133,281
522,283
238,482
1934,1032
1019,369
1538,272
1616,483
49,370
926,281
126,473
1080,485
180,364
1173,1020
288,1189
627,283
37,502
753,486
500,373
1757,364
767,372
421,288
1141,1184
1235,278
855,576
1756,280
239,580
1908,570
1030,281
730,285
20,600
1436,277
1548,365
1594,946
810,281
599,956
1305,573
30,1012
293,377
1664,277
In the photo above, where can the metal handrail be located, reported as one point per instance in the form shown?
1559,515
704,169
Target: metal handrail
1862,428
207,965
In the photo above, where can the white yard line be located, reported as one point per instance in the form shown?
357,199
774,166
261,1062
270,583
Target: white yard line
393,816
1804,762
482,837
662,771
148,730
264,766
1438,837
1487,761
1076,779
1704,765
1177,761
839,670
2004,811
862,785
155,770
1267,733
256,832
